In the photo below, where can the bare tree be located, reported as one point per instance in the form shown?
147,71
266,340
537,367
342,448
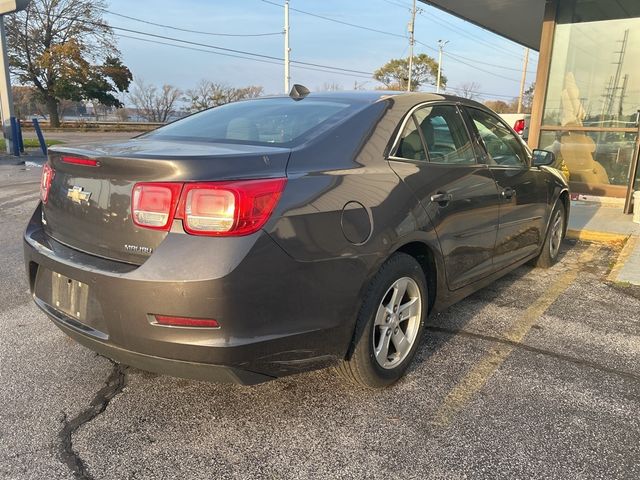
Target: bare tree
469,90
208,94
330,87
152,103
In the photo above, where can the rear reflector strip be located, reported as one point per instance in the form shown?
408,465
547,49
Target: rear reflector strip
186,321
87,162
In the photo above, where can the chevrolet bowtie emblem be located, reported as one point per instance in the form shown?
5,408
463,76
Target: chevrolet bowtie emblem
78,195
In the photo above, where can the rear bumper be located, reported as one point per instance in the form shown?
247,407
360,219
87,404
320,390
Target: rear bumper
166,366
273,320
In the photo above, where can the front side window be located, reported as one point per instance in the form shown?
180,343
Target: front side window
445,135
503,147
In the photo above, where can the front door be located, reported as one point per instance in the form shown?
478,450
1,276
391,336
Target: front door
523,190
435,158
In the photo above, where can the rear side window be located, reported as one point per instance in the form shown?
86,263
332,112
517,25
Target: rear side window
445,135
503,147
269,121
410,146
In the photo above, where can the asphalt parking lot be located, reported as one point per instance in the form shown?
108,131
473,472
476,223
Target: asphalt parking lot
536,376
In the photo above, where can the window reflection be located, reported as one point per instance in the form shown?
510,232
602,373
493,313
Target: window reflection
599,159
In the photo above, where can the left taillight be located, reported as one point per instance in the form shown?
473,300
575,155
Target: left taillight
45,182
153,205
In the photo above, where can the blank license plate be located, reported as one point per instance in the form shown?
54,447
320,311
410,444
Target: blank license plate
69,296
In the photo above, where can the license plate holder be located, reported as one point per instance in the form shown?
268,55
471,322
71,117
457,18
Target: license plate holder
69,296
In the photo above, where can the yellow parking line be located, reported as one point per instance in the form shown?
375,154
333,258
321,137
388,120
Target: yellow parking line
475,379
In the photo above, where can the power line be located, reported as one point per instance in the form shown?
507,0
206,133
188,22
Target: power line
184,47
402,36
329,19
469,64
488,64
224,49
189,30
450,26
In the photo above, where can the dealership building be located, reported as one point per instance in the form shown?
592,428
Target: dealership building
587,96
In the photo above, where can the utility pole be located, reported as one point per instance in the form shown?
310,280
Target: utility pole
6,95
441,44
523,80
412,25
287,50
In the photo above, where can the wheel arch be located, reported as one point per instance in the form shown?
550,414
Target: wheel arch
426,258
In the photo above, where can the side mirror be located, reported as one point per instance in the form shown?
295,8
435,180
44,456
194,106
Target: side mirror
543,158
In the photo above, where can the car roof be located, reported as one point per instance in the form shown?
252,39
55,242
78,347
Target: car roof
372,96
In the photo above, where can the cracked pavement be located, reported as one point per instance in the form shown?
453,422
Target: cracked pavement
562,402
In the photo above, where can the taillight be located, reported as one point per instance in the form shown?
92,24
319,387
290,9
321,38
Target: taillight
186,321
45,182
519,126
229,208
153,205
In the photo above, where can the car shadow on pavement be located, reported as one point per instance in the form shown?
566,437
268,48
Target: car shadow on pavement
441,327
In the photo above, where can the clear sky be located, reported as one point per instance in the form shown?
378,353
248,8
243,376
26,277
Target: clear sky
490,61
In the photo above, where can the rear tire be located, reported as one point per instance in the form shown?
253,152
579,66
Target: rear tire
389,325
553,240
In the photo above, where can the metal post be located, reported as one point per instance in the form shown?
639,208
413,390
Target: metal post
441,44
36,127
412,24
287,50
523,80
6,98
20,138
15,142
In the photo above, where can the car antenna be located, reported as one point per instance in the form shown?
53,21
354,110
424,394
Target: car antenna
298,92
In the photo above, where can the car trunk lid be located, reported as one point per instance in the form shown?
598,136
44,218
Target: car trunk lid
89,206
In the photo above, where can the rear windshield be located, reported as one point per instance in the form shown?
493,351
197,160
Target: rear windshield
269,121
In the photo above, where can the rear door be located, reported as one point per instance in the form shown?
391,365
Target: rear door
435,158
523,189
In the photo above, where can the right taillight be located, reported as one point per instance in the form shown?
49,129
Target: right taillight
230,208
45,182
519,126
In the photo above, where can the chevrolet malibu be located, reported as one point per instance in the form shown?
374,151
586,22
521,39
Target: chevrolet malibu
279,235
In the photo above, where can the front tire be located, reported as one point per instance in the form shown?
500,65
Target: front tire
390,324
555,234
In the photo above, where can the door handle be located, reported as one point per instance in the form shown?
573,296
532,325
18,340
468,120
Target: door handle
508,193
441,198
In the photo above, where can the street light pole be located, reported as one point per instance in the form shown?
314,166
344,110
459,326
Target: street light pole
411,43
287,50
441,44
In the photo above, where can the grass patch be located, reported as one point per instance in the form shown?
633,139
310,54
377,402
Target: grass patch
30,143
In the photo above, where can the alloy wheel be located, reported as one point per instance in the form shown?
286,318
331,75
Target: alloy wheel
557,227
397,322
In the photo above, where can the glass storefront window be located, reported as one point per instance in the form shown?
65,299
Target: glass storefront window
598,162
595,75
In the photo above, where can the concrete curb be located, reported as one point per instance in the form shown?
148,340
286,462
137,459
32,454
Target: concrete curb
597,237
624,255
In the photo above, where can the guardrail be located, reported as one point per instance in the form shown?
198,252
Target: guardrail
90,124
